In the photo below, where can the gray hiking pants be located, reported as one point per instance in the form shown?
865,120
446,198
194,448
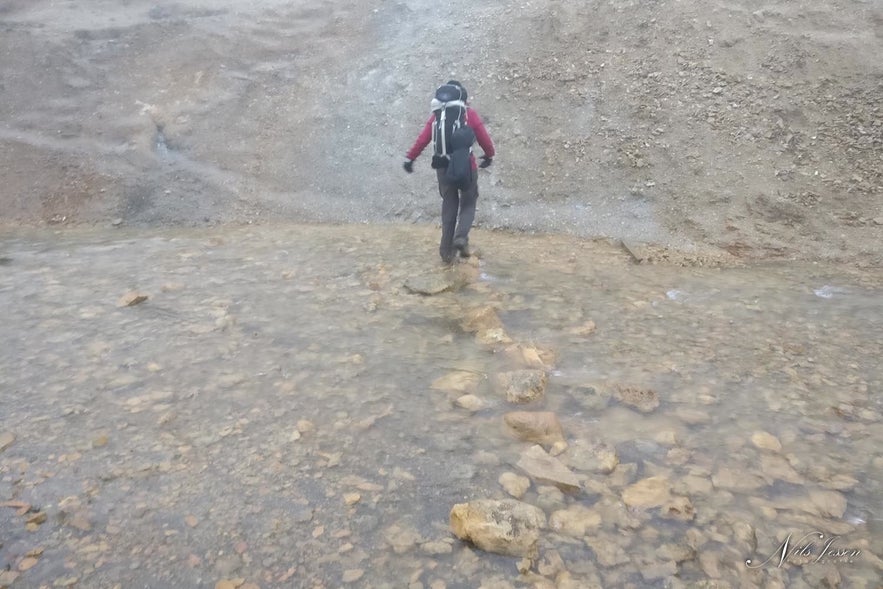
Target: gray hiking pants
458,213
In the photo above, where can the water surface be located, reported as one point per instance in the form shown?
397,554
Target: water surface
268,413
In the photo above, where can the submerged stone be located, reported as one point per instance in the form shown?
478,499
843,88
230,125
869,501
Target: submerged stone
6,440
433,284
515,485
469,403
644,400
544,468
482,319
402,538
530,357
766,441
540,427
575,521
776,467
459,381
733,480
130,299
522,386
650,492
680,508
607,551
591,456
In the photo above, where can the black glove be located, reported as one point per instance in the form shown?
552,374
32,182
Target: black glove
485,161
408,165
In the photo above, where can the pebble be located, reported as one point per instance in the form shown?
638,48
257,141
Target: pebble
469,403
6,440
515,485
766,441
228,564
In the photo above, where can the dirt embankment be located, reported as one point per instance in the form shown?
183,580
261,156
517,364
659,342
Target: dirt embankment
747,126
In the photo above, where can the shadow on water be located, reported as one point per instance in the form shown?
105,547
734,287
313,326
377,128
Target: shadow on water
270,409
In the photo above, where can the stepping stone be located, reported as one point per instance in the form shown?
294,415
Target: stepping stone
433,283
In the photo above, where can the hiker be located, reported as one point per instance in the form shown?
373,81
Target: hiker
453,127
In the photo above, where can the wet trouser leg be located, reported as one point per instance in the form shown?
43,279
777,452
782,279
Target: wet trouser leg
456,204
450,209
468,198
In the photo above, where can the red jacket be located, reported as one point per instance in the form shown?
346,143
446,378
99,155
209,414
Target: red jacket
472,120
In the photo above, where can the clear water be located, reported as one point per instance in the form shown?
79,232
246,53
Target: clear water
167,441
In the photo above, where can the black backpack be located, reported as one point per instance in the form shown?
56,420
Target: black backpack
452,139
449,108
459,170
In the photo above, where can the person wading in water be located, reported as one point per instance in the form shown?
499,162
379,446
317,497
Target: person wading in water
452,128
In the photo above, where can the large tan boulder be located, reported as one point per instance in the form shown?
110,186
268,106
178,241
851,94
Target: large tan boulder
506,527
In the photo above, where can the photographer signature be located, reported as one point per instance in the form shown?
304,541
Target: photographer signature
810,549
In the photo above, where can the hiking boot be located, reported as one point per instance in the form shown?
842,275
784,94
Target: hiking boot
461,244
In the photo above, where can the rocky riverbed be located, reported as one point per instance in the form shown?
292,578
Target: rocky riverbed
199,390
281,406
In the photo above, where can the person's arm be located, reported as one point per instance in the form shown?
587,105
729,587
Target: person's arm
422,140
481,134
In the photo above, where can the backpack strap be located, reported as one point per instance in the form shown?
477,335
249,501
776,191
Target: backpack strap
441,127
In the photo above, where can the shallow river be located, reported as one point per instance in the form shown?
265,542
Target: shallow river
281,411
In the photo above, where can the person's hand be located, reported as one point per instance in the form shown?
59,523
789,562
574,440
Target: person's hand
485,161
408,165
